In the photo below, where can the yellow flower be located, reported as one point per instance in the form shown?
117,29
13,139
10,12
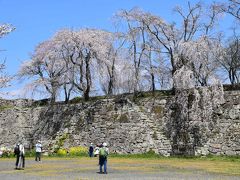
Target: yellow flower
62,152
79,150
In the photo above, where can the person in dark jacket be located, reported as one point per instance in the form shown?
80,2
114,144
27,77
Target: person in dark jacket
17,154
90,151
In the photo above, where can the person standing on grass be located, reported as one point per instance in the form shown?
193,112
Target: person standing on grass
38,148
103,154
96,151
17,154
21,163
90,151
99,158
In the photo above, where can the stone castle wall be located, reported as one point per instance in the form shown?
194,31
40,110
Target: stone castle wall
127,126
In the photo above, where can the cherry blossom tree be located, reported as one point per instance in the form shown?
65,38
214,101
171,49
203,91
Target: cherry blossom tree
124,77
5,29
91,48
136,39
159,54
46,67
231,59
234,8
67,50
231,7
202,58
107,71
157,74
67,61
4,78
168,38
106,66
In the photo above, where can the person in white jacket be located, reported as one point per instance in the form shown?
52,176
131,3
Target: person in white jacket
38,151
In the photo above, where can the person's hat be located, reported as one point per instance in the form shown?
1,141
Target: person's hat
39,141
104,144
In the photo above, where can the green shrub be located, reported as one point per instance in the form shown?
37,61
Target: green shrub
55,148
30,153
62,139
7,153
151,152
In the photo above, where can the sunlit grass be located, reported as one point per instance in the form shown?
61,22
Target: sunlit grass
57,166
222,165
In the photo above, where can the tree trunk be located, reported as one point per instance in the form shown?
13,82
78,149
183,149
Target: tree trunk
153,82
86,96
111,75
88,78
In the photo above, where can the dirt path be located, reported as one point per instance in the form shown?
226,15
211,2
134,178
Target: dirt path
85,168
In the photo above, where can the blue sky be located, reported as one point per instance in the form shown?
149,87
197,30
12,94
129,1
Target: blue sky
38,20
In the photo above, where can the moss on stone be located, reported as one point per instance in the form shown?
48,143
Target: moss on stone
67,124
123,118
79,125
80,120
141,108
158,110
4,107
109,107
115,117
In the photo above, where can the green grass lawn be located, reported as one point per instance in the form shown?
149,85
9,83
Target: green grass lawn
52,165
220,165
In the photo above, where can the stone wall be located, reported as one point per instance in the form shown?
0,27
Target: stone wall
127,126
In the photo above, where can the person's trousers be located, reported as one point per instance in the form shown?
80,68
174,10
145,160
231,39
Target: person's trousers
90,154
38,156
105,166
17,160
21,162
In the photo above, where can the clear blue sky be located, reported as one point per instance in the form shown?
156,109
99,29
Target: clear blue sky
38,20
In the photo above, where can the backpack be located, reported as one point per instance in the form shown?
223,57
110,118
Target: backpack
16,150
102,152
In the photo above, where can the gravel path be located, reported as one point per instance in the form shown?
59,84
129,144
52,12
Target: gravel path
85,168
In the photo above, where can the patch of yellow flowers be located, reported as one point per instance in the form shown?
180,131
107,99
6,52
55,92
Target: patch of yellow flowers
73,151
